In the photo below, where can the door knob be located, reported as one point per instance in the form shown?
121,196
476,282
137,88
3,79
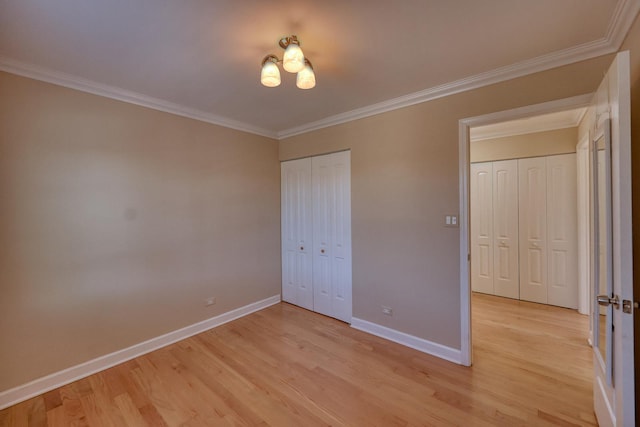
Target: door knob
321,251
605,300
302,248
503,243
534,244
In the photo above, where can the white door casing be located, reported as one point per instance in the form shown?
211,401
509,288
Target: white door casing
481,204
584,221
532,183
316,234
505,229
296,215
464,172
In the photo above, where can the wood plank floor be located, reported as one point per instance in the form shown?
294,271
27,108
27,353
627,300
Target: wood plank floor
285,366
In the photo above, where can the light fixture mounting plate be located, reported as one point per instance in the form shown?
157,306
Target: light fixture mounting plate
286,41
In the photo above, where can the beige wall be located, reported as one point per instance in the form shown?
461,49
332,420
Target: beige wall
404,180
117,221
632,44
560,141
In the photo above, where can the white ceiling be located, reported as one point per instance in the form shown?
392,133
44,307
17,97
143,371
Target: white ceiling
201,58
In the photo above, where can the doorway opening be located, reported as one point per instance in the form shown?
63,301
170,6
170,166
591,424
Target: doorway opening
527,184
489,125
523,209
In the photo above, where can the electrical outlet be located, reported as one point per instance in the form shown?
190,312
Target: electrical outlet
209,301
387,310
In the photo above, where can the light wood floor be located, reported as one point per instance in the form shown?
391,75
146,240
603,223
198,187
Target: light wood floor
285,366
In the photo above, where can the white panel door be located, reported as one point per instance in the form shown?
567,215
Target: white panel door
332,235
505,229
614,393
296,199
532,188
562,231
481,212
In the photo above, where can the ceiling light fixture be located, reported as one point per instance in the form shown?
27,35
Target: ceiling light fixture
293,61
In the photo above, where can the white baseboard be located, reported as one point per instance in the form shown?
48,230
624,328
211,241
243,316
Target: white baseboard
42,385
420,344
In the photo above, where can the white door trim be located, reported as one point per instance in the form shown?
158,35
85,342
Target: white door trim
463,168
584,249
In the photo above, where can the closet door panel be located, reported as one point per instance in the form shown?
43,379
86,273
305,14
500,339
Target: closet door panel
323,182
342,270
481,208
562,231
332,279
505,229
532,189
296,199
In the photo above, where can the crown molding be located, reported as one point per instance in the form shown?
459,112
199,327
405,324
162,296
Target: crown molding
623,17
520,69
74,82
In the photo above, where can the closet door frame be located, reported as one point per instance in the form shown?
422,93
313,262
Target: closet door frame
464,141
316,234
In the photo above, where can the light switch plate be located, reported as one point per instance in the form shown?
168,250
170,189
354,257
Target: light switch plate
451,220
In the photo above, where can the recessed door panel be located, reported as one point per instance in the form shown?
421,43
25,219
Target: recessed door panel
485,266
536,267
557,270
504,271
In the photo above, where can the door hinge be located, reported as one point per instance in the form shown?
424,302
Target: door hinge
628,306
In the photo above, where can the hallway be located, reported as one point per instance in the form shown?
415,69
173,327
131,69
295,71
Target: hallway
542,353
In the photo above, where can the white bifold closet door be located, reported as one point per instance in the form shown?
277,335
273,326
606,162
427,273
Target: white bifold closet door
297,233
494,227
562,230
316,224
548,230
332,235
505,228
481,207
524,229
533,229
